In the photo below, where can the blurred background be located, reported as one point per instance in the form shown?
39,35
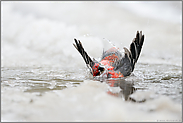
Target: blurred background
42,33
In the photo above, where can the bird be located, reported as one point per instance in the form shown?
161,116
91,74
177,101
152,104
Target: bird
113,63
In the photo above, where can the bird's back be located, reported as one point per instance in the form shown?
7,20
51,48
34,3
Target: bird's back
112,55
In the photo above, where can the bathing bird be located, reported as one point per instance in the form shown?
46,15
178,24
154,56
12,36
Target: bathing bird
113,63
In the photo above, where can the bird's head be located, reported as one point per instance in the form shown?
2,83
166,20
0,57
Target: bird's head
98,69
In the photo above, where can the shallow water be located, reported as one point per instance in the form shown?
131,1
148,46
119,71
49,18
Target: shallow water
44,78
165,79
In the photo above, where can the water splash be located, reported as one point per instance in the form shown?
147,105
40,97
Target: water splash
113,45
87,35
110,42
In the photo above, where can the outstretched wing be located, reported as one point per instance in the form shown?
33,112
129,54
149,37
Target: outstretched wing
127,63
81,50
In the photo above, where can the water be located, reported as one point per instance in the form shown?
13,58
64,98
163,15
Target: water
44,78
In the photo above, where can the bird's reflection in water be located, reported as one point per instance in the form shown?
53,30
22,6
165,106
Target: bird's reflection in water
127,88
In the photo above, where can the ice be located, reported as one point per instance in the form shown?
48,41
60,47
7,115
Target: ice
88,102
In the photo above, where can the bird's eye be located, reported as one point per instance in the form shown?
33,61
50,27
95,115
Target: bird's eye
101,69
98,74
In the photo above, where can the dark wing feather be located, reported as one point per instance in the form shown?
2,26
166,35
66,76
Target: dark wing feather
127,63
81,50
